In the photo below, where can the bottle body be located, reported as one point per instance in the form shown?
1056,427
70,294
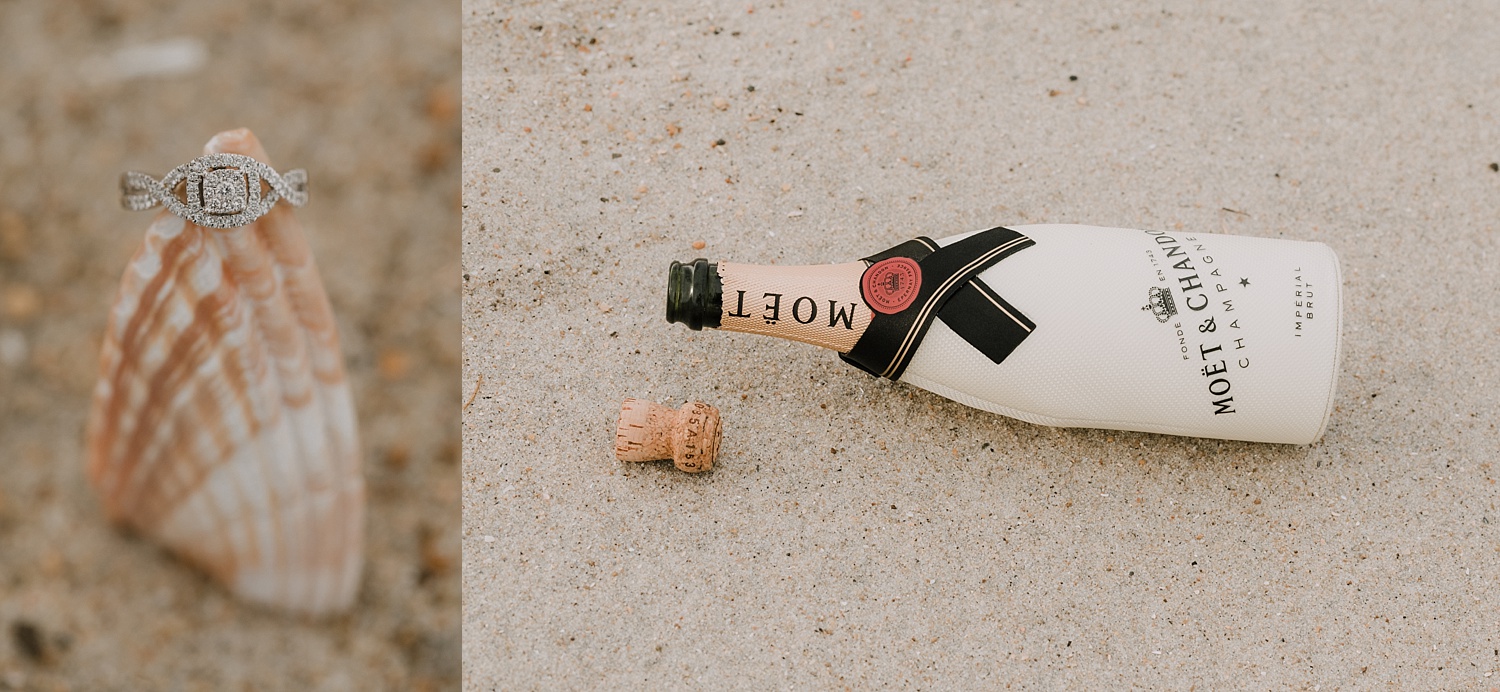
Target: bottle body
1196,334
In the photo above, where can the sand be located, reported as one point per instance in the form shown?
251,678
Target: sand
859,533
365,96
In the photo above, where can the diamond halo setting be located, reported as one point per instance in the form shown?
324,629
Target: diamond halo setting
215,190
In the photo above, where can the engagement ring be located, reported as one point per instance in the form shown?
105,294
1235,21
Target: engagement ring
215,190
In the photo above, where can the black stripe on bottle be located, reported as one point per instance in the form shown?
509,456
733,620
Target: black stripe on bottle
957,278
981,317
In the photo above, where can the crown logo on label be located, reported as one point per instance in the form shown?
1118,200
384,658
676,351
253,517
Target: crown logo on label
890,285
1159,302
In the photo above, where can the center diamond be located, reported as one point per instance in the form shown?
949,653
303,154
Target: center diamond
224,191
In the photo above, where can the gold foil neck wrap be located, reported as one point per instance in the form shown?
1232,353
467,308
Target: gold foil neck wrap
819,304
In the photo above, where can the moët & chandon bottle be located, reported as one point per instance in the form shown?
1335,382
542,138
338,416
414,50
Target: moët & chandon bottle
1198,334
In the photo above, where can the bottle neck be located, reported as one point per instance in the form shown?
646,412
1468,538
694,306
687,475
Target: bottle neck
819,305
694,294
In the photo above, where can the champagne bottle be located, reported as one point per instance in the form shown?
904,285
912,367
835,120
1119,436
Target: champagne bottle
1196,334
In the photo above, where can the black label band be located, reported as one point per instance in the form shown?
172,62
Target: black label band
952,291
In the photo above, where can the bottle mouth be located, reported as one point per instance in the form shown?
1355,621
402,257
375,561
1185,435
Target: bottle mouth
694,295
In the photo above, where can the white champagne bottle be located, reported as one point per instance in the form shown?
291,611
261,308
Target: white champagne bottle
1197,334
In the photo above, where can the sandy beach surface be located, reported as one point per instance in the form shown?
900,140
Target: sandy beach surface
860,533
365,96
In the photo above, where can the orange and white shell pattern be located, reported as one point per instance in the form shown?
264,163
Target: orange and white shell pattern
222,425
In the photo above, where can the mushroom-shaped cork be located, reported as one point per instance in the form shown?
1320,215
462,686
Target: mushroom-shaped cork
648,431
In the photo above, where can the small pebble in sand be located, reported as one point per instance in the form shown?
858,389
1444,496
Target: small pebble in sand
699,245
13,236
721,103
394,364
435,562
13,348
442,105
20,302
397,456
29,640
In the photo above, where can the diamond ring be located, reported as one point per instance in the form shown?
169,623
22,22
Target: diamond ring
215,190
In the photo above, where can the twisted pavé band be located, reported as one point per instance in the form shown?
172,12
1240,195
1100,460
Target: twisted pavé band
217,190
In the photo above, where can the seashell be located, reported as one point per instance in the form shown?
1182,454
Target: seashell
222,425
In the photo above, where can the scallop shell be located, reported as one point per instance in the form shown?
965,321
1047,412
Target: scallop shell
222,425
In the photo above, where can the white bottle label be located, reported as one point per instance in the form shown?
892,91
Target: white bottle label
1195,334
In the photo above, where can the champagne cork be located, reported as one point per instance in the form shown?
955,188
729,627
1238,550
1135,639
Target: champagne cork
648,431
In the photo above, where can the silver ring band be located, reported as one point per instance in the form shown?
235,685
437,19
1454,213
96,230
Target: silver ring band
217,190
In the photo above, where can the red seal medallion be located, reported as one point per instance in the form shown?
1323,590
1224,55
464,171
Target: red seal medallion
890,285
